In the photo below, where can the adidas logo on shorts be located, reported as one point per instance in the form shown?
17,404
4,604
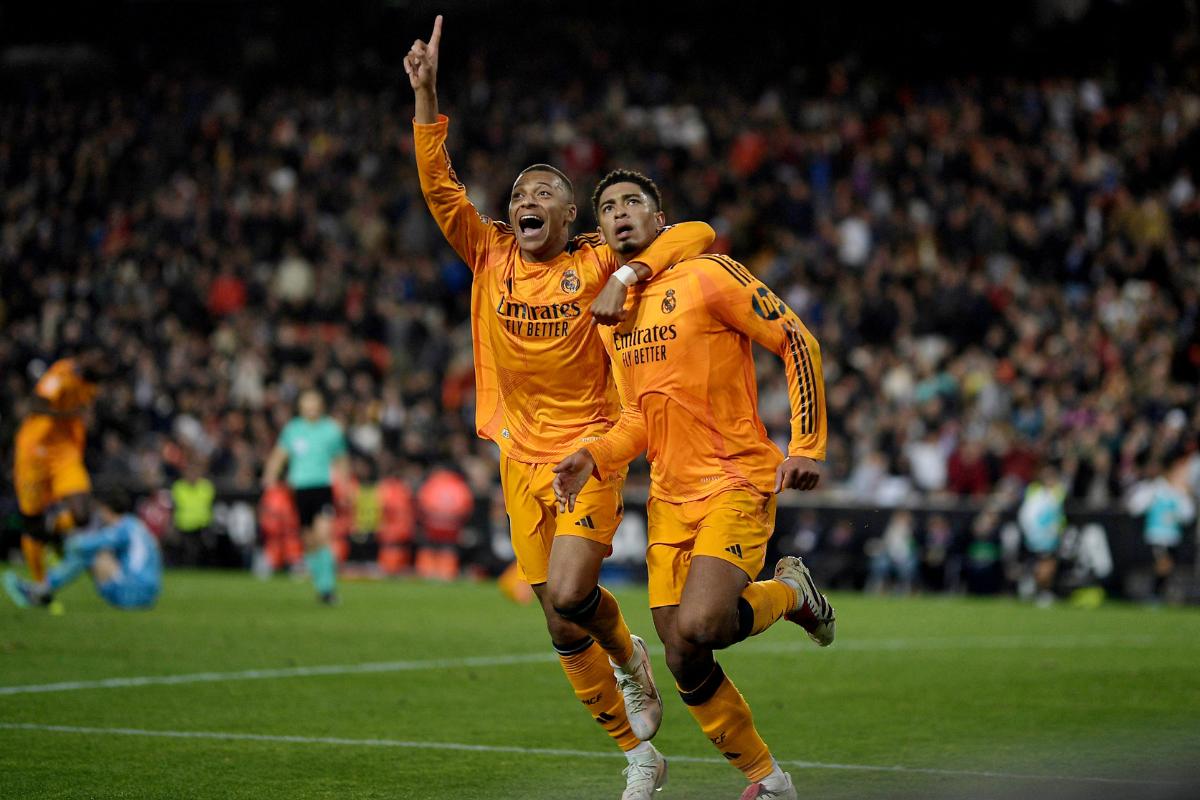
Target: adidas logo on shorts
736,549
585,522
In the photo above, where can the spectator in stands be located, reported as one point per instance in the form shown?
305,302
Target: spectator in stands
983,567
941,559
1168,505
894,559
1042,523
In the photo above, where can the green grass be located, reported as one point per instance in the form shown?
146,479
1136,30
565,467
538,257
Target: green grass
927,683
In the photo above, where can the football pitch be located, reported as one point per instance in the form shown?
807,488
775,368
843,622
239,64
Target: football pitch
238,688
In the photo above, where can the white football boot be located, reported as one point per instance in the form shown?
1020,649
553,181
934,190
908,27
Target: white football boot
646,773
776,786
643,704
812,612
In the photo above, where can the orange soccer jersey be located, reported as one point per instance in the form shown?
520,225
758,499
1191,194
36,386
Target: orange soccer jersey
49,450
543,382
683,364
65,390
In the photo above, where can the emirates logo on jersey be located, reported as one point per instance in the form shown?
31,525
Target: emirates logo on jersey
668,303
570,282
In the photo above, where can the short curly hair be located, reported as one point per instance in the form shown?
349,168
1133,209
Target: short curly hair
626,176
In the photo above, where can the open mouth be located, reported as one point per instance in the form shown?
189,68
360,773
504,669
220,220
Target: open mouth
623,230
530,224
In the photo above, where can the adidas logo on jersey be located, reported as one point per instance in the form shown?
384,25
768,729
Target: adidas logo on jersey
736,549
586,522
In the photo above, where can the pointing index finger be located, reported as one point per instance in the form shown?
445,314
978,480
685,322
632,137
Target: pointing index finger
435,38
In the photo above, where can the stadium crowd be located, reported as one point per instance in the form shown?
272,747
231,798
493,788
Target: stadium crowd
1000,272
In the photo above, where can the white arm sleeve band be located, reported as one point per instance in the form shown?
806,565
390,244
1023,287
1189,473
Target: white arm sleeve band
626,275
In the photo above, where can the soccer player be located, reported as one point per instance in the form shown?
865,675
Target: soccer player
122,557
544,388
1168,506
52,483
683,364
314,449
1042,522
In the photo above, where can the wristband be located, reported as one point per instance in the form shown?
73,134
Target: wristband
627,275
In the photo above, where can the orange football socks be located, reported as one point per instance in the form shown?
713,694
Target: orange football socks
608,628
725,718
587,668
762,604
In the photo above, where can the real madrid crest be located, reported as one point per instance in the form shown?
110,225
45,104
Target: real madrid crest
570,282
668,303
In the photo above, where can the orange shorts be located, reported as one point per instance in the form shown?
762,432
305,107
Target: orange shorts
733,526
46,472
533,515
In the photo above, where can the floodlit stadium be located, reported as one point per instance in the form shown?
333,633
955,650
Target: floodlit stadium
466,400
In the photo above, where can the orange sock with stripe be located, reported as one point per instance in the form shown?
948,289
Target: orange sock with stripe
725,718
35,557
600,615
762,604
587,668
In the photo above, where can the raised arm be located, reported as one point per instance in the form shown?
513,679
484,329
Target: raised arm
421,65
467,231
672,245
739,300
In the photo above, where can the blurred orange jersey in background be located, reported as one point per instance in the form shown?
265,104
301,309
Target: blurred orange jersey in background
49,449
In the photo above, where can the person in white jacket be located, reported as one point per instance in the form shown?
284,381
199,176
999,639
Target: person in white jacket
1168,505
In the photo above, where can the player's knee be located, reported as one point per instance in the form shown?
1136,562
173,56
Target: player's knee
573,601
687,663
703,629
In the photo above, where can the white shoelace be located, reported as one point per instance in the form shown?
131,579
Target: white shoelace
639,771
633,692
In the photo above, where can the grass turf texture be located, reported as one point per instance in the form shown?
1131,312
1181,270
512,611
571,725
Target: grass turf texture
925,683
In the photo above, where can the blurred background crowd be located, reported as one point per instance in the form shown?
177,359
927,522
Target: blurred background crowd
1003,271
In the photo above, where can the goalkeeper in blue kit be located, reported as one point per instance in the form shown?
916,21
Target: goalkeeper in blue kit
122,556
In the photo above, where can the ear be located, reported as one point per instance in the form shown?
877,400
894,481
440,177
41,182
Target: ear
660,218
600,231
572,213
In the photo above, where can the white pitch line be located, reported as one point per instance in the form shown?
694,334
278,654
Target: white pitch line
546,751
285,672
862,645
